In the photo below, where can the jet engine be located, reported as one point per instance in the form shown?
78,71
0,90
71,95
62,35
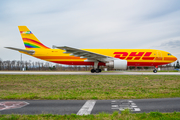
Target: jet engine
118,64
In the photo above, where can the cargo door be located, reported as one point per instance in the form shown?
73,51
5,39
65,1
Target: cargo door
158,57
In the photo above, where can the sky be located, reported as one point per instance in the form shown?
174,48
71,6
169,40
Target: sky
121,24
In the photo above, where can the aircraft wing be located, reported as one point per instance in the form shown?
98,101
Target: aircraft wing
22,50
91,56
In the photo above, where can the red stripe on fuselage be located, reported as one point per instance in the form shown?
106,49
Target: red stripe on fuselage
60,57
146,63
78,63
103,64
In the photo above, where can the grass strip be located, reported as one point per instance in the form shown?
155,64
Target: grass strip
152,70
85,87
126,115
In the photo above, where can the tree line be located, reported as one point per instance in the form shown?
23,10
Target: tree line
39,66
47,66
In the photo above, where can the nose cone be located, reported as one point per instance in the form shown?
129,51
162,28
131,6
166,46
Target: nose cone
174,58
170,59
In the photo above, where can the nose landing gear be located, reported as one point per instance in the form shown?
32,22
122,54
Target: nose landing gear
155,69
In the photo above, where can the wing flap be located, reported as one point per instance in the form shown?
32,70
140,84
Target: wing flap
85,54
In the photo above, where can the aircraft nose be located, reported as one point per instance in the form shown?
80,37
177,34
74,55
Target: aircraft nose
174,58
170,59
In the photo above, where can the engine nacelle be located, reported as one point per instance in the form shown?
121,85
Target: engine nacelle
118,64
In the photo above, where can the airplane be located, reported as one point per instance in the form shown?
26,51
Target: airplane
116,58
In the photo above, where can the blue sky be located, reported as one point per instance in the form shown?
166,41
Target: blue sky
119,24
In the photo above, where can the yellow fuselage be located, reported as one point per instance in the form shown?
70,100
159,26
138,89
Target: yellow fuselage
134,57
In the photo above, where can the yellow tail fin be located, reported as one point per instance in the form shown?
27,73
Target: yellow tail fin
29,39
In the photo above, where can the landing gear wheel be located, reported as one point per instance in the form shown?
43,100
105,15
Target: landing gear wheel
92,70
97,70
155,71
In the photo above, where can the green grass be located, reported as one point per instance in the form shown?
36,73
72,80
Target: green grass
101,116
83,87
168,71
152,71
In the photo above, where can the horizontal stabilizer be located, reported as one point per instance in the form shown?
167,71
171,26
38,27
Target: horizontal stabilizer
22,50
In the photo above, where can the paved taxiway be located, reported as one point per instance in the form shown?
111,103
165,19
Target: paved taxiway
93,106
88,73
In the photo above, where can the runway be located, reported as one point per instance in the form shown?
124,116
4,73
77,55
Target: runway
86,73
86,107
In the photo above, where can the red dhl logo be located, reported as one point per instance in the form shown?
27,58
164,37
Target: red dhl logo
135,55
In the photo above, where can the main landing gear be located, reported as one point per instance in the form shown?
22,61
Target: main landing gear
96,68
155,69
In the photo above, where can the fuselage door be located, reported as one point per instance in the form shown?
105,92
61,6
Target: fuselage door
158,56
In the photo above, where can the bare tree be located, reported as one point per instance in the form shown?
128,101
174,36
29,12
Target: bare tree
17,65
13,65
1,64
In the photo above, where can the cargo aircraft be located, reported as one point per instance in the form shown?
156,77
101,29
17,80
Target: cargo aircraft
116,58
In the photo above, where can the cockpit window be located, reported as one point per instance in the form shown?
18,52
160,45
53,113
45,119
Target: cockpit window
169,54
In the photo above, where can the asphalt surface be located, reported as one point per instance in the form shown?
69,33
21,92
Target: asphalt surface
86,107
88,73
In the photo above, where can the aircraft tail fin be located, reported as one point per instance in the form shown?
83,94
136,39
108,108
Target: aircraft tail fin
29,39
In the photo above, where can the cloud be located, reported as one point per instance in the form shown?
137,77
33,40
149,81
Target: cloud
90,24
173,44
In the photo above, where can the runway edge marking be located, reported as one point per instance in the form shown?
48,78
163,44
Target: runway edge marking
87,107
